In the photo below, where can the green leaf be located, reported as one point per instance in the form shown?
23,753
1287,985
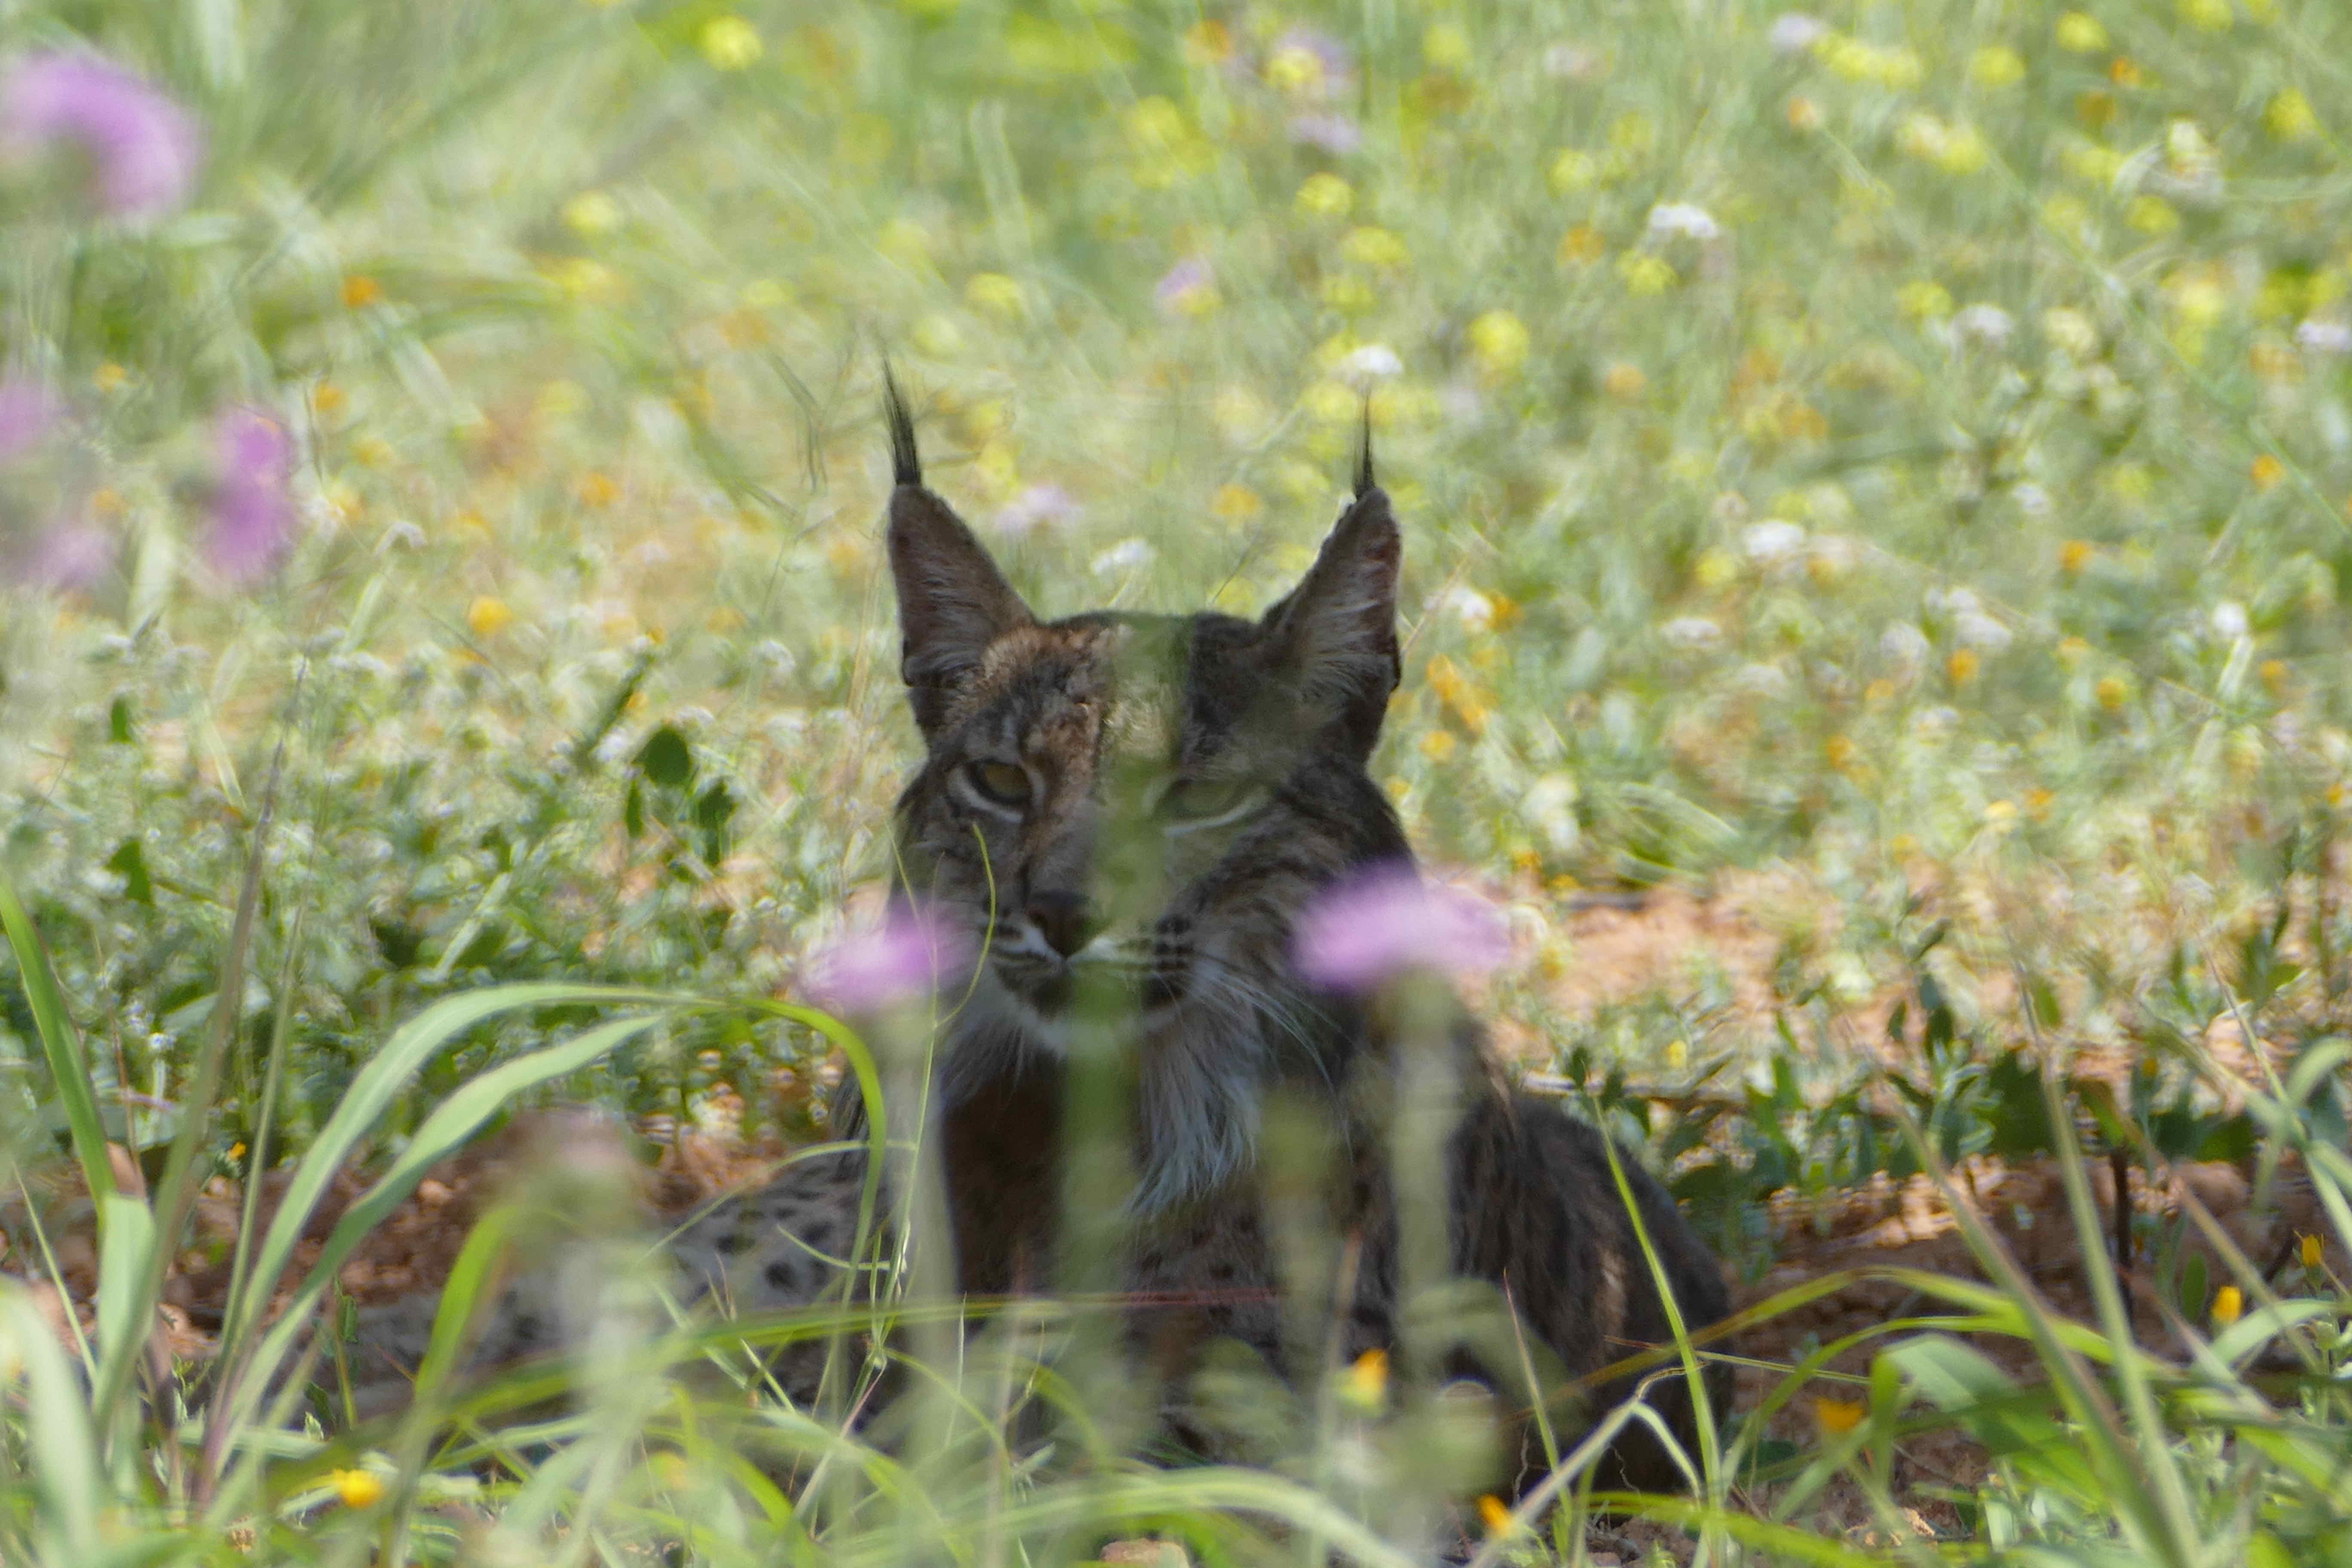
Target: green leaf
129,862
666,759
59,1044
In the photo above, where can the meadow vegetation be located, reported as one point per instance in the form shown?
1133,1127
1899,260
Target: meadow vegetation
1898,456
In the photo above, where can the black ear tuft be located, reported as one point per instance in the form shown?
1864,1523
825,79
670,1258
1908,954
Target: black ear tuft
1365,483
906,466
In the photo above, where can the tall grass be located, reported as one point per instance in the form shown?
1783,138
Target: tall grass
1903,452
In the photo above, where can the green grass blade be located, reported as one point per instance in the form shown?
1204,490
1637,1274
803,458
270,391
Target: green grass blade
68,1071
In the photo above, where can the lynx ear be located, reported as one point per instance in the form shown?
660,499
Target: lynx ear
1336,633
952,601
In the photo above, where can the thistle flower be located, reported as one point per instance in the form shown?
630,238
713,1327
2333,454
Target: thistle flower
28,412
1188,288
70,555
144,145
902,962
253,514
1386,921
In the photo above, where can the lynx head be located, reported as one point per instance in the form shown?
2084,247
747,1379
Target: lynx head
1135,807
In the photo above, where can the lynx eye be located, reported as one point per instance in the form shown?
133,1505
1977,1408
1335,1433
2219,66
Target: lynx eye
999,783
1195,802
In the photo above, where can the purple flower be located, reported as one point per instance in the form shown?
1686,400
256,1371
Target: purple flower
1334,133
1038,506
1384,920
253,515
28,411
1189,287
902,962
71,555
145,146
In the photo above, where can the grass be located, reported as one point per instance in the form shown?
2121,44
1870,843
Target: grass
1907,456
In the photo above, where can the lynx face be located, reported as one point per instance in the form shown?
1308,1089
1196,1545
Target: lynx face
1130,810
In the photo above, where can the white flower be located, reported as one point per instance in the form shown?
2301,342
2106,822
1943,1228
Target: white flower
1473,608
1037,507
1981,632
1835,553
1986,323
2230,619
1772,542
1761,681
1930,722
2031,498
2324,337
1953,601
1683,218
1550,807
1127,555
1691,632
775,656
1903,644
1793,32
1373,361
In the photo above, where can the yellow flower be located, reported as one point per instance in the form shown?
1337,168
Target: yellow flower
994,293
2273,672
1836,1418
596,489
1839,751
1924,299
2071,651
730,43
1365,1384
359,290
2212,16
1804,114
2290,117
2267,472
1439,745
358,1488
1446,46
1574,171
1999,813
1208,42
1624,382
1333,403
1326,196
487,616
1997,65
1494,1514
236,1151
2038,802
2152,215
1646,274
1235,504
723,620
1581,245
2314,1251
2074,555
2229,1305
1677,1054
592,212
1962,665
2113,691
2081,33
1374,247
1498,341
110,377
1295,69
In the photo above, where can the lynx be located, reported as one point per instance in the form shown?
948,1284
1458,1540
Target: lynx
1126,815
1139,807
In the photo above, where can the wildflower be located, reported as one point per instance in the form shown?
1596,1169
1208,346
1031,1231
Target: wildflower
1646,274
1986,323
1997,65
1963,666
596,489
489,615
592,212
1309,64
1365,1384
1683,218
2313,1251
1794,32
1494,1514
2070,331
1235,504
730,43
144,145
1691,632
1372,362
2267,472
1804,114
2031,498
1334,133
1836,1418
2229,618
1581,245
2290,117
2151,215
1127,555
1439,745
1772,542
2229,1306
1385,920
2081,33
1839,751
253,516
2324,337
1188,288
357,1489
1326,196
1498,341
1038,506
2273,672
1374,247
2112,692
1571,62
1903,644
2074,555
902,962
1474,609
70,555
1623,381
1446,46
28,412
1208,42
2212,16
1574,170
994,293
1924,299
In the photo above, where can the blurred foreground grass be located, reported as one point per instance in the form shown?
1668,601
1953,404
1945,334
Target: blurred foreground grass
1906,448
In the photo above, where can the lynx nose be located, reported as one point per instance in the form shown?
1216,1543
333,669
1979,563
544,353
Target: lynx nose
1064,919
